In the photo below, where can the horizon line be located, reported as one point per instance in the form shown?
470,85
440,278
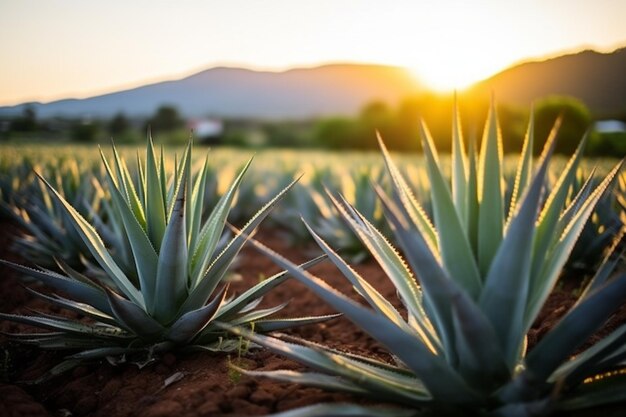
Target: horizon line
279,69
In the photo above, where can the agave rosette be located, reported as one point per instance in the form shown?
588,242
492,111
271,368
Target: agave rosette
175,289
484,270
302,202
46,229
310,201
356,188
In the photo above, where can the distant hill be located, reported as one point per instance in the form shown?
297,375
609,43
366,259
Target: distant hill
236,92
598,79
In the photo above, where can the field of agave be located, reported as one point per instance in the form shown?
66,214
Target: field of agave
195,282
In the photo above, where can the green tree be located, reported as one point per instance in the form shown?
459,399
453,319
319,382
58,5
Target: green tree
576,119
513,123
377,116
85,131
119,124
337,133
607,144
26,122
166,119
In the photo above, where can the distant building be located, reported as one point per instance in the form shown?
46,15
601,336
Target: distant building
610,126
206,129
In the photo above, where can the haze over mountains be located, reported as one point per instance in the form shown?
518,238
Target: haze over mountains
237,92
597,79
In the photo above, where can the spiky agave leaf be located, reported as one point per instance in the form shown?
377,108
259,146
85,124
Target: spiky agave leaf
463,341
47,231
356,187
170,297
605,226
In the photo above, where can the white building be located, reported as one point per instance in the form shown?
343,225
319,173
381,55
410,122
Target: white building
609,126
206,128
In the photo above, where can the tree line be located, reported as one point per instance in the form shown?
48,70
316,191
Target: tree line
399,125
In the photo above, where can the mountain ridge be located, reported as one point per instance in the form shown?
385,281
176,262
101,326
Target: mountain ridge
241,92
596,78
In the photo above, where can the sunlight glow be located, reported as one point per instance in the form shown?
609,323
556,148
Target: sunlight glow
463,45
454,73
448,44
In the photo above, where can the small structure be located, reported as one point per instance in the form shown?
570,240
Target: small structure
206,130
610,126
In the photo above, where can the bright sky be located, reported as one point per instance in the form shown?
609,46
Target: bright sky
52,49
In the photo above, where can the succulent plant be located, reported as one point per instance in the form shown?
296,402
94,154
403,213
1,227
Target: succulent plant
301,202
47,231
12,178
176,289
356,187
485,270
605,226
311,202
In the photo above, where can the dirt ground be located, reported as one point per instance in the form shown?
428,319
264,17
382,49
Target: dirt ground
208,386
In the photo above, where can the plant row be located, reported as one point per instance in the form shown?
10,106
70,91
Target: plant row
142,246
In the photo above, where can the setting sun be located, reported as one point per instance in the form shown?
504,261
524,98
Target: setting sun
458,44
454,71
447,44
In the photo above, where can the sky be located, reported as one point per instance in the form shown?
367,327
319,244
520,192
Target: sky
52,49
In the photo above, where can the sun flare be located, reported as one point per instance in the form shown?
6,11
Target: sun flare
450,76
458,46
456,70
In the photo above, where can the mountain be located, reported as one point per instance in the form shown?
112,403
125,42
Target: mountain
598,79
236,92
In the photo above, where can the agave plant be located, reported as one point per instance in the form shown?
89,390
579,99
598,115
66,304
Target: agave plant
47,229
485,271
605,226
356,189
176,290
301,202
309,201
267,182
12,178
